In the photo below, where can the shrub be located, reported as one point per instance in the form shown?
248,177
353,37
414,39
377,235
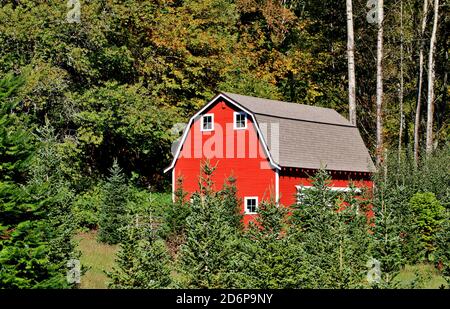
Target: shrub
428,219
86,208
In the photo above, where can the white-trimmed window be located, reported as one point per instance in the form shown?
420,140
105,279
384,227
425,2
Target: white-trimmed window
207,123
240,120
251,204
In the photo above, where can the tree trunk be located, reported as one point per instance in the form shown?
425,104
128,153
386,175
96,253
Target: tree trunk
400,94
351,64
431,77
379,152
419,83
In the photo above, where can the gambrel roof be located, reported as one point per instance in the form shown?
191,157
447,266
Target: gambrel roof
300,136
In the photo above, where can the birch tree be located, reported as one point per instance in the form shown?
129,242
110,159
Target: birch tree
380,15
431,77
351,64
400,95
419,82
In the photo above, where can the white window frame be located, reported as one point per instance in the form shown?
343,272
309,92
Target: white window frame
245,205
339,189
235,122
212,123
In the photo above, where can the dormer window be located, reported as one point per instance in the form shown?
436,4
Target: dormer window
207,122
240,120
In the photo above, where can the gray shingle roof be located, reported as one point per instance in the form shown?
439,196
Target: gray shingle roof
306,136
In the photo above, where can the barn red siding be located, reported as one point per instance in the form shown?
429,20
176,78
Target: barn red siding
292,177
245,161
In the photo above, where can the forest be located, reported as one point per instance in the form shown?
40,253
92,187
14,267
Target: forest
90,92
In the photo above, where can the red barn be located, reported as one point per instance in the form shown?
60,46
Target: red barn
269,147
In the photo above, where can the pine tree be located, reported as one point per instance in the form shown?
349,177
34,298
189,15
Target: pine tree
113,208
142,261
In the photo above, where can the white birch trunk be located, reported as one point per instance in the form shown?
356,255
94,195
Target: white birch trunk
431,77
379,151
419,83
351,64
400,95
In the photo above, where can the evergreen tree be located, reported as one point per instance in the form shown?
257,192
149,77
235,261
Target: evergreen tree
442,259
210,249
142,261
176,214
113,208
334,233
35,218
49,188
231,204
273,258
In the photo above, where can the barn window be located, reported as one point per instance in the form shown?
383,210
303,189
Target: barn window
208,122
240,120
251,204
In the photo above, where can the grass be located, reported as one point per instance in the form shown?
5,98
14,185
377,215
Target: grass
98,257
427,277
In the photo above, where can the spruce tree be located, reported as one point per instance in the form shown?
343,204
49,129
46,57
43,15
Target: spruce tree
113,209
142,261
50,188
442,259
209,252
273,259
334,235
388,237
35,219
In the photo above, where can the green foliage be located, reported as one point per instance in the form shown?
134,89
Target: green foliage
86,208
36,222
142,261
113,208
442,253
207,257
175,214
428,218
271,257
397,183
335,236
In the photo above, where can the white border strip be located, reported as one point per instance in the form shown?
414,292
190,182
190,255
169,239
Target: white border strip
340,189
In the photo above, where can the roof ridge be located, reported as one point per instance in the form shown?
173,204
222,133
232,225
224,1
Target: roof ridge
286,102
306,120
268,107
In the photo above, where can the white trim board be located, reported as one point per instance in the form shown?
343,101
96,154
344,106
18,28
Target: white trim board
191,120
340,189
